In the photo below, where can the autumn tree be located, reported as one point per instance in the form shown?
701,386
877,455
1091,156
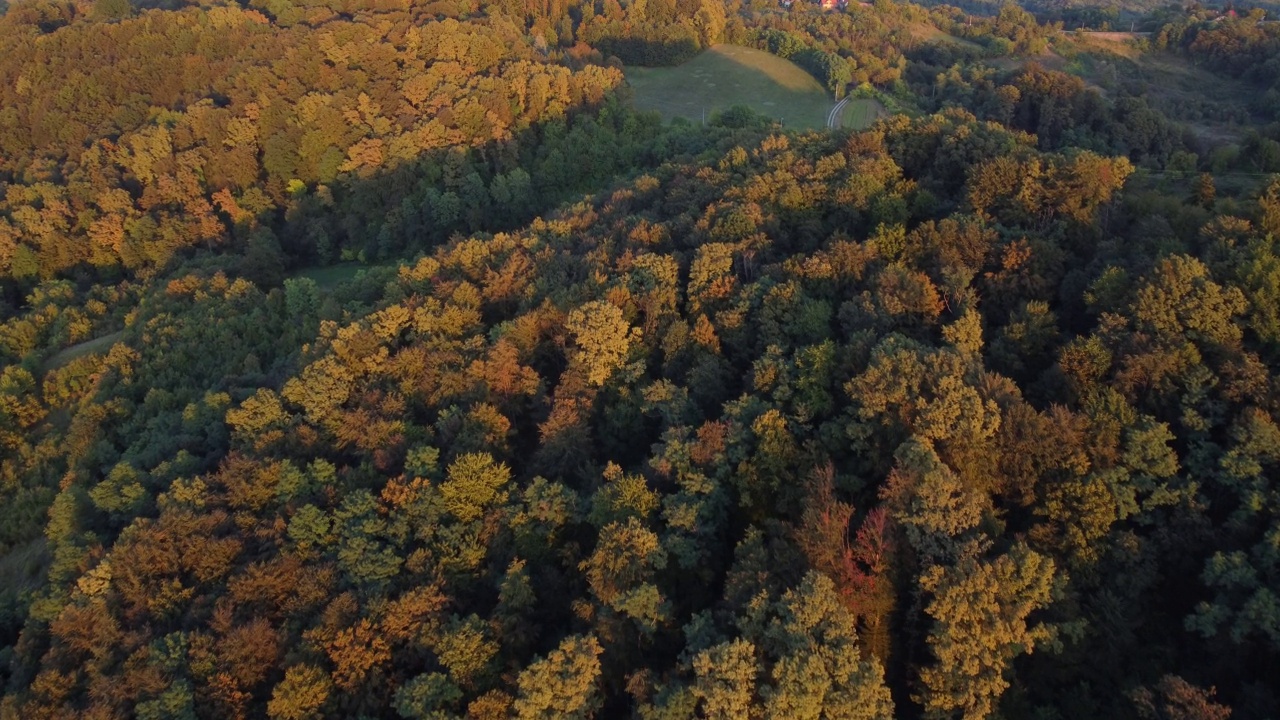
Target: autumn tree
564,683
980,610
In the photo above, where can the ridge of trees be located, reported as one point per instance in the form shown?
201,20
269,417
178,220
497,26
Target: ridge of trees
500,492
948,418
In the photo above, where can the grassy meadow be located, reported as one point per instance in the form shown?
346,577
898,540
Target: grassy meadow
728,75
862,113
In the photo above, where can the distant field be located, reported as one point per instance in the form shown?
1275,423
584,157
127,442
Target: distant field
1212,106
1120,37
929,33
728,75
861,114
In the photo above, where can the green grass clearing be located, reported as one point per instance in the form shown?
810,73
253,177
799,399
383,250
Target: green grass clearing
23,567
929,33
862,113
728,75
328,277
1214,107
79,350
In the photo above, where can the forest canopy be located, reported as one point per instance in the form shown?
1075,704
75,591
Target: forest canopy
382,360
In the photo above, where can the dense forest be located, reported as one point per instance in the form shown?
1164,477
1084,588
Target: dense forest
377,360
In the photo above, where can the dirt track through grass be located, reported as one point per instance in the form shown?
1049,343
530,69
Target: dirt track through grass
728,75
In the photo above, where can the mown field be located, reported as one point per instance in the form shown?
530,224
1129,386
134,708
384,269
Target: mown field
728,75
862,113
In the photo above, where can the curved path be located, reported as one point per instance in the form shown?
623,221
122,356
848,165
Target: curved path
834,117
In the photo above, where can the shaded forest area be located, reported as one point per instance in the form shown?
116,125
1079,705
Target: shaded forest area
972,414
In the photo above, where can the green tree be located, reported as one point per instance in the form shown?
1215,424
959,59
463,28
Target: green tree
726,678
1269,207
474,483
427,697
818,669
798,657
621,572
121,492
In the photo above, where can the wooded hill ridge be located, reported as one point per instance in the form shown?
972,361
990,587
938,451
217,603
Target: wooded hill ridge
375,360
